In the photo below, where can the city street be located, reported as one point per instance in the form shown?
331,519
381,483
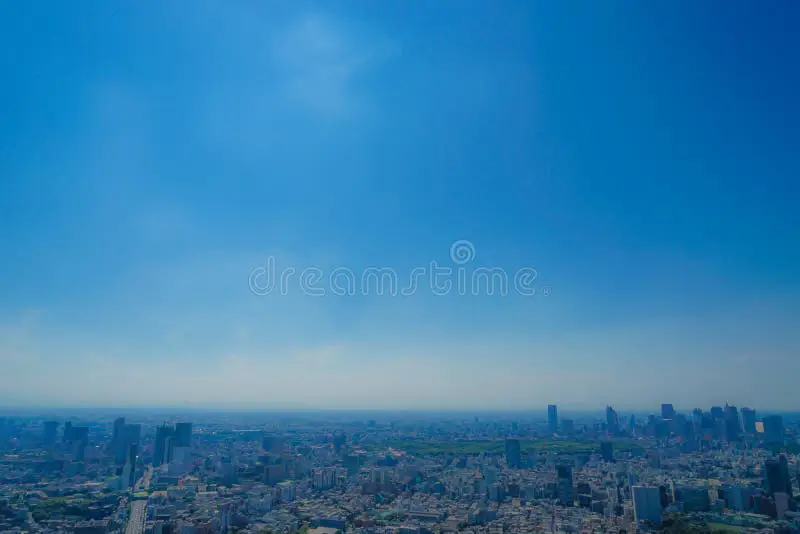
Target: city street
137,518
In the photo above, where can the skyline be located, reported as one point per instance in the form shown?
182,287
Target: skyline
640,158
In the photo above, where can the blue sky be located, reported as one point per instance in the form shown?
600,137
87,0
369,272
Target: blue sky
642,157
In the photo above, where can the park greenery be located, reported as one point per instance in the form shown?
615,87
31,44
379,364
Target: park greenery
432,447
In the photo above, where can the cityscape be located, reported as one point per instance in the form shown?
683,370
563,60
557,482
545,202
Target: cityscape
399,267
719,469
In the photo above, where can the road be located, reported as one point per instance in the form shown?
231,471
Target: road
143,484
136,520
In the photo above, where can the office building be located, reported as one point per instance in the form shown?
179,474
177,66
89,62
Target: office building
607,451
162,450
513,453
552,417
773,429
119,422
749,420
612,421
777,478
79,434
133,454
272,445
79,439
50,433
129,467
564,488
694,499
568,426
127,435
646,505
183,434
697,421
667,411
732,423
352,463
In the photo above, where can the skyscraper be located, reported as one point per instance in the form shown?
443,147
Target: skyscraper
732,423
119,422
785,476
776,474
667,411
607,450
183,434
50,431
552,417
566,492
79,434
612,421
163,444
133,452
749,420
272,445
773,429
697,421
513,454
128,435
646,504
79,437
129,466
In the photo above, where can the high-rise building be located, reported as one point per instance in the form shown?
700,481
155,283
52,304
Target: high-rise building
717,412
79,434
133,453
749,420
773,429
732,423
607,450
352,463
119,422
513,453
568,426
339,442
785,476
272,445
50,432
694,498
183,434
67,432
564,487
646,504
667,411
552,417
128,435
79,438
777,478
162,449
697,421
612,421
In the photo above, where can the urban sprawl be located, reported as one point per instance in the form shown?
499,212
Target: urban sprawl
719,470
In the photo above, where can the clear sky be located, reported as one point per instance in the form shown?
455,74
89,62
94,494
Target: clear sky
642,157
